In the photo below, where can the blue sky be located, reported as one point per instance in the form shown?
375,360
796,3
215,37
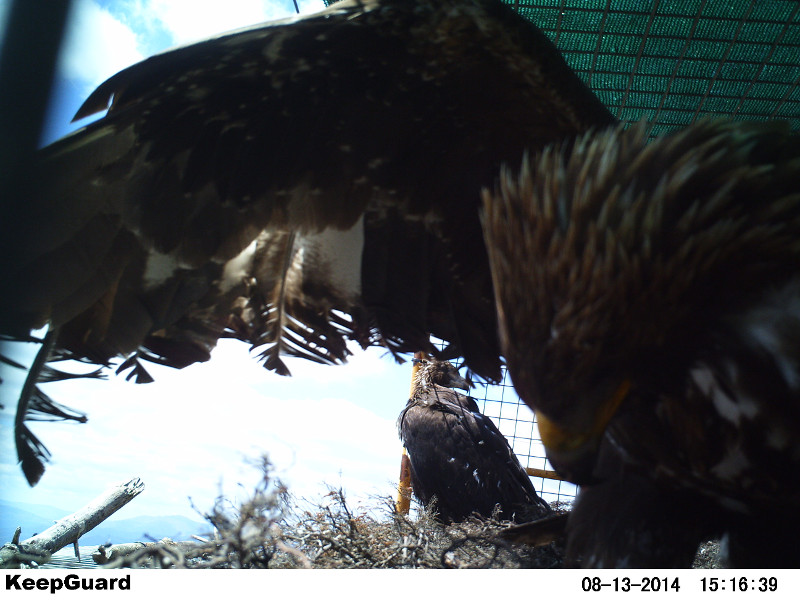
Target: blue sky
193,433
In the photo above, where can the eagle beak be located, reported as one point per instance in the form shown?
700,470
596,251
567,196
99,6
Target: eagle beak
461,383
573,453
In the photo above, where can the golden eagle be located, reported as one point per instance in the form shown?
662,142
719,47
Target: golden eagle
649,299
458,455
293,185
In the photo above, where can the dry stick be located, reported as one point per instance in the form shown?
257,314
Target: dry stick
70,528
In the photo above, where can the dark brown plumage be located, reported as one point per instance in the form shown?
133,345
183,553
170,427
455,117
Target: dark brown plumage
630,520
625,520
458,456
648,295
293,185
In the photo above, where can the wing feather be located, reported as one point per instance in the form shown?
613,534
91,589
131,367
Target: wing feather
382,110
133,236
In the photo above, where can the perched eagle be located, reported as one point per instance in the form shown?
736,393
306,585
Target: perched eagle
649,300
458,456
293,185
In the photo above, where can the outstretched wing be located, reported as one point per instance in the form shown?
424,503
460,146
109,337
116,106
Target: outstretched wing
293,185
259,164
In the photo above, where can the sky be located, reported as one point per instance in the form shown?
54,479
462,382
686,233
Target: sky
195,430
196,433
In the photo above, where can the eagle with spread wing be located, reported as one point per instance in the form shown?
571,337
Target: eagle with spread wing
649,306
293,185
458,456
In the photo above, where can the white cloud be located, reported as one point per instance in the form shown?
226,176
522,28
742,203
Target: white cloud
99,42
376,361
194,429
191,429
96,45
192,20
189,20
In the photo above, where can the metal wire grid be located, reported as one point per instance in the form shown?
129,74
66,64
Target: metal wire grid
518,423
671,62
676,61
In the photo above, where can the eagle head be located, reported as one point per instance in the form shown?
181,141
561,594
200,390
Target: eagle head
617,265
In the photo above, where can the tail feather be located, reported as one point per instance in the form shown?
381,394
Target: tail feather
538,533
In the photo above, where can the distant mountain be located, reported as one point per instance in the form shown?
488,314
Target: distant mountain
33,518
36,518
145,529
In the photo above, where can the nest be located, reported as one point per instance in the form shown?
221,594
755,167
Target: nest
271,530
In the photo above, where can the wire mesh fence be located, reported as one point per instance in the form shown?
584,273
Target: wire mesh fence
518,423
671,63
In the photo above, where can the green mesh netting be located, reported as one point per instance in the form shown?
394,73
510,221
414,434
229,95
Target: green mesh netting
674,61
